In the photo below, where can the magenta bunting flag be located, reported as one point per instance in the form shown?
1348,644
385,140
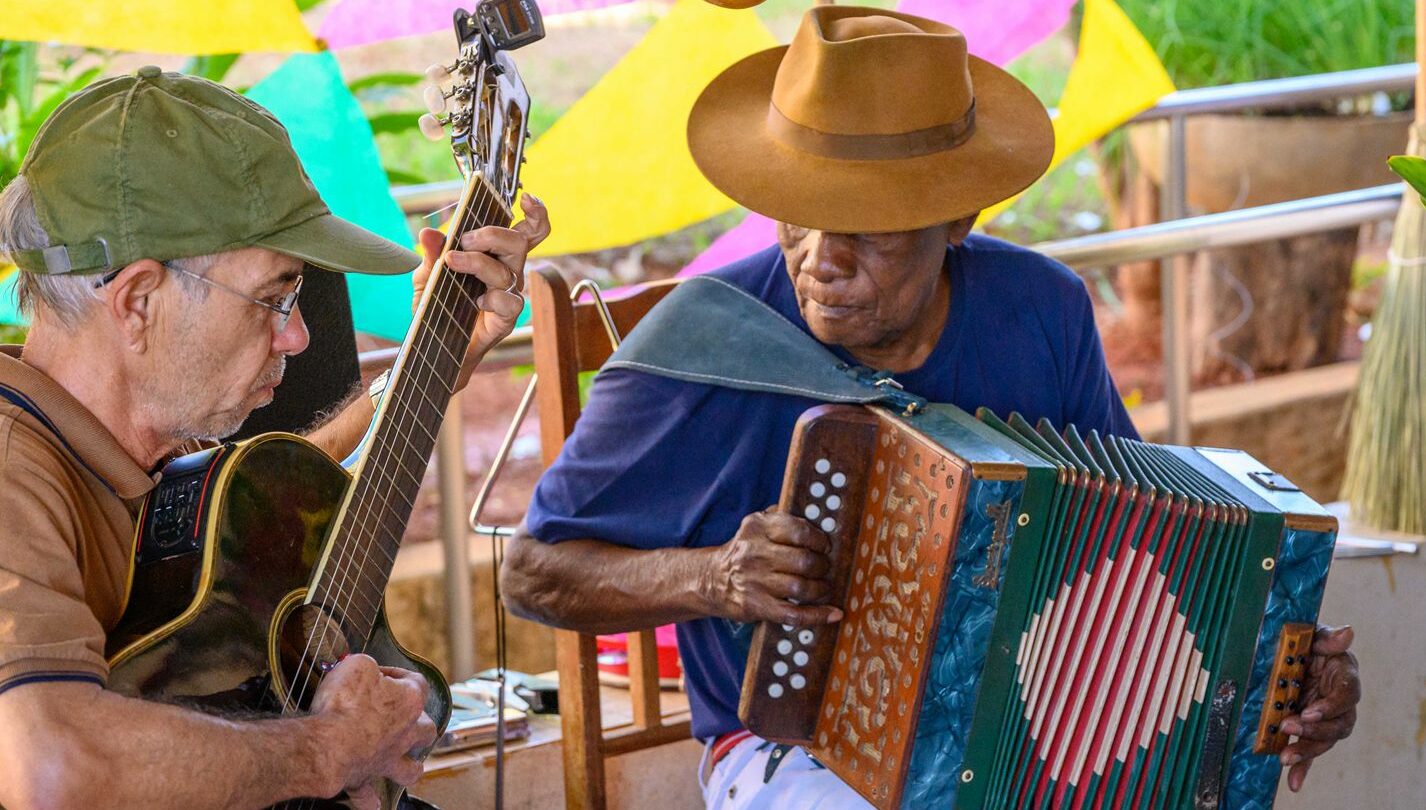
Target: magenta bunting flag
996,30
754,233
361,22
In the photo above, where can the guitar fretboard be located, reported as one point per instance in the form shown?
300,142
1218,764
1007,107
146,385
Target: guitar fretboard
353,578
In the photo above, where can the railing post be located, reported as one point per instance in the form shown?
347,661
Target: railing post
450,475
1174,290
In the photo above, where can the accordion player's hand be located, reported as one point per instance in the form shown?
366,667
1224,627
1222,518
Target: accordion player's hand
1329,700
776,569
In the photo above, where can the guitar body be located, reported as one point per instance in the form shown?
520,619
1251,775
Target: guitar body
227,547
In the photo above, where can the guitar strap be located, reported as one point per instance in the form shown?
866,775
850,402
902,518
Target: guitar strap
709,331
27,405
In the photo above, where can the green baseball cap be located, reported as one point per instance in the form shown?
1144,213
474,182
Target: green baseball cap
165,166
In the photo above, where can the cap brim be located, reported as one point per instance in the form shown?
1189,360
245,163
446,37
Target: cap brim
730,142
332,243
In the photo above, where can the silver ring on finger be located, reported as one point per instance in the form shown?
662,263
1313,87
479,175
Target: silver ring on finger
514,282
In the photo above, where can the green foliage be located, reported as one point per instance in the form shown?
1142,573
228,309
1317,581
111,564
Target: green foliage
1211,42
28,95
1413,170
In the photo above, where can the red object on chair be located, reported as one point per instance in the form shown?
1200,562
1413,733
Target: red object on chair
614,658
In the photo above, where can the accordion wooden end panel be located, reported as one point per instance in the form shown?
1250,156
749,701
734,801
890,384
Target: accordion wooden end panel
1115,625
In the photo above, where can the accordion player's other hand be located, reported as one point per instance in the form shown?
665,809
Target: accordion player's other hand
776,568
1329,703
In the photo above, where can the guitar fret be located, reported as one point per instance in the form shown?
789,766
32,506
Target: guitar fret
399,452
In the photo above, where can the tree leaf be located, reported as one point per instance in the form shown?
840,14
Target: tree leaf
19,73
394,122
1413,170
403,177
391,79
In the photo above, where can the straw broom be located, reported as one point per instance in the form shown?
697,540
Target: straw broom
1385,482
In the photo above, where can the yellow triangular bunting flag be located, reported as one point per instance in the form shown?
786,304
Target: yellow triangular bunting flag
160,26
615,169
1116,75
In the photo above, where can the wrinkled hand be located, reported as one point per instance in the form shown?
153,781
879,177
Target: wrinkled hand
1329,698
375,720
774,569
496,256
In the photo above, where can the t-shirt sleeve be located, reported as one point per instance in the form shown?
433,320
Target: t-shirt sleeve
640,468
47,631
1091,399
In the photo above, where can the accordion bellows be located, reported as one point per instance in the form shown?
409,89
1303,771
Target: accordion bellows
1040,619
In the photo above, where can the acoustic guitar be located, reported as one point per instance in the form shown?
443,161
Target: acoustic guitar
258,564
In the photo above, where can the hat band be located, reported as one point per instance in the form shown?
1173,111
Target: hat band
871,147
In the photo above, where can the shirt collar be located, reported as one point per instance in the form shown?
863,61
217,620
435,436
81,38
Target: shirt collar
80,431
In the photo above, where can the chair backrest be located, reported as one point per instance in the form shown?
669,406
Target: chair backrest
570,338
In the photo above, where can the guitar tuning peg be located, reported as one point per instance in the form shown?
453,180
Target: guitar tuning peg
432,127
435,99
439,73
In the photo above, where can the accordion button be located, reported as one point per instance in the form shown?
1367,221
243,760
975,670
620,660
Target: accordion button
775,690
818,489
829,525
812,512
834,503
822,466
839,480
779,668
805,636
797,681
784,647
799,658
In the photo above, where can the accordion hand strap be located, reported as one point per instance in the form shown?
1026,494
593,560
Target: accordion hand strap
709,331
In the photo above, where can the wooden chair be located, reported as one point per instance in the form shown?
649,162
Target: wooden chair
572,337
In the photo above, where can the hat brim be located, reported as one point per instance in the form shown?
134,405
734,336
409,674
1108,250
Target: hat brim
728,137
333,243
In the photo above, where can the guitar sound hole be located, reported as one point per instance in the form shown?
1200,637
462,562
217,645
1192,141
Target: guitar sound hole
310,642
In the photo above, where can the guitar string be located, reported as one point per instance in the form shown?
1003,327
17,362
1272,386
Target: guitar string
342,587
430,370
418,369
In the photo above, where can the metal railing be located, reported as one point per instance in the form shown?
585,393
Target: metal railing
1166,241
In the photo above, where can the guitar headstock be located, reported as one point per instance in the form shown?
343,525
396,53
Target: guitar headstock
480,98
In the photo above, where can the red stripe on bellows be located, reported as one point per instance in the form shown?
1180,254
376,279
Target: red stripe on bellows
1082,682
1194,559
1083,626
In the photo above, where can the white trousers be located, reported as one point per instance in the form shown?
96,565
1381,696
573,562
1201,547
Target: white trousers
759,775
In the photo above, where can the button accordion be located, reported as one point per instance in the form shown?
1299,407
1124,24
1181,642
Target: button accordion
1042,619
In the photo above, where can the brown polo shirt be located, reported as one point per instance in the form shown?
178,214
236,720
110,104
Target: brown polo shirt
68,496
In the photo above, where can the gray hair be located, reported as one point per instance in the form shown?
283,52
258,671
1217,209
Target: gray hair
68,298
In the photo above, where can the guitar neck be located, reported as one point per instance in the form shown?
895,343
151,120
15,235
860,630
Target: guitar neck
351,581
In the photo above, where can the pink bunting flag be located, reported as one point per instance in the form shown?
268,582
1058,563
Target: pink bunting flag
361,22
754,233
996,30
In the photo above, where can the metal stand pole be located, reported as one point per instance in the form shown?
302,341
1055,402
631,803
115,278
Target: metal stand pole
450,472
1174,291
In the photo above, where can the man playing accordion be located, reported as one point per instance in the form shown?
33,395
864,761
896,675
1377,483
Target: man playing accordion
874,140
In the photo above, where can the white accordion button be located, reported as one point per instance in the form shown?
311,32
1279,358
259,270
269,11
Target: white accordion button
779,668
812,512
775,689
829,525
822,466
819,489
799,658
839,480
784,647
834,503
805,636
798,681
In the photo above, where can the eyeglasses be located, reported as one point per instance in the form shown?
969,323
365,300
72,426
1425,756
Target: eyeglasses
283,308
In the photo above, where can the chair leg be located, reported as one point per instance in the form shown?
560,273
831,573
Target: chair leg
581,721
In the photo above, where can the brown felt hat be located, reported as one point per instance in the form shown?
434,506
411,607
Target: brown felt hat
870,121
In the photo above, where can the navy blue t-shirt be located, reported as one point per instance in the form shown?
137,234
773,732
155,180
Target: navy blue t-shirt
655,462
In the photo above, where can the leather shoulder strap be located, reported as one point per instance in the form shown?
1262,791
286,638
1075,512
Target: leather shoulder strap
709,331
